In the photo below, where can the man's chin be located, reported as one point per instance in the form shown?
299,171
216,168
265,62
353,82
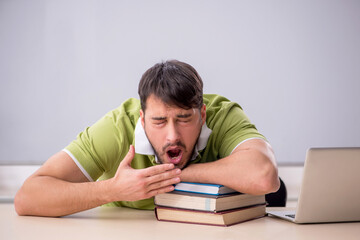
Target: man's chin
176,161
182,164
178,164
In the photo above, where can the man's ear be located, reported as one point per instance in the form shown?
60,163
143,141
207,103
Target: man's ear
142,118
203,114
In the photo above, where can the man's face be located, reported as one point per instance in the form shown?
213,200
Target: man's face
172,131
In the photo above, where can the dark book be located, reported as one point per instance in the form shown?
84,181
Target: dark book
224,218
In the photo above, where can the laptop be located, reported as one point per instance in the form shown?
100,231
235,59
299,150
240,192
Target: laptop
330,190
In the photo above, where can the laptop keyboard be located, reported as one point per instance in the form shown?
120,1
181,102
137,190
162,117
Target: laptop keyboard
290,215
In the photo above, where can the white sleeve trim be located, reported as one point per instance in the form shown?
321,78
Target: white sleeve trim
79,165
246,141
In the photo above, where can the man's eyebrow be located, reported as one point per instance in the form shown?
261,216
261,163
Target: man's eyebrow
158,118
186,115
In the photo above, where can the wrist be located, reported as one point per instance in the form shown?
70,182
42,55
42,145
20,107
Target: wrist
188,174
106,194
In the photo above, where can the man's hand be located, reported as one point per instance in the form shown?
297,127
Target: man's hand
130,184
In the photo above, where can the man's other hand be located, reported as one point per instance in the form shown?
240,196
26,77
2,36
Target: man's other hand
130,184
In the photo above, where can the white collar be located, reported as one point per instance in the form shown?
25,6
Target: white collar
143,146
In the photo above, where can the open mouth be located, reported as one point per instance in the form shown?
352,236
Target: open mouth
174,155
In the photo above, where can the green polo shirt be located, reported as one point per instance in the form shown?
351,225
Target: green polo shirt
99,149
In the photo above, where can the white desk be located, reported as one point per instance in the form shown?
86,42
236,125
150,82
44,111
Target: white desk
122,223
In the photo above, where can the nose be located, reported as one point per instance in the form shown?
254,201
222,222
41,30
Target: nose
173,135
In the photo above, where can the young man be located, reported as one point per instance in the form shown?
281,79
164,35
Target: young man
179,134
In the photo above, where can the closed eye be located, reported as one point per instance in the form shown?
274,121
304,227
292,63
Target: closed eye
159,123
185,121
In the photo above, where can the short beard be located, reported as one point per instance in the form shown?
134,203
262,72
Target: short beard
176,144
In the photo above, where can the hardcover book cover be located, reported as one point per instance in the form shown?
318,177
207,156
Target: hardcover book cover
204,202
224,218
203,188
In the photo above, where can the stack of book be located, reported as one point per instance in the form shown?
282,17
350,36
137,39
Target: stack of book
210,204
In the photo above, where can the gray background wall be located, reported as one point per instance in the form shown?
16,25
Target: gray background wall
292,65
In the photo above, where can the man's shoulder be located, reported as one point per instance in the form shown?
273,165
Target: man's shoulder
217,101
127,113
217,105
222,113
130,106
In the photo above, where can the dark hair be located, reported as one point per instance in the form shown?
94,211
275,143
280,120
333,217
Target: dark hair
174,82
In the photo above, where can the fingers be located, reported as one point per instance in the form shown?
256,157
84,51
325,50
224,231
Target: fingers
161,187
144,183
161,177
160,190
163,182
158,169
129,156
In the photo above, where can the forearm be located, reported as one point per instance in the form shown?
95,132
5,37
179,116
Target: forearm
247,171
54,191
49,196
